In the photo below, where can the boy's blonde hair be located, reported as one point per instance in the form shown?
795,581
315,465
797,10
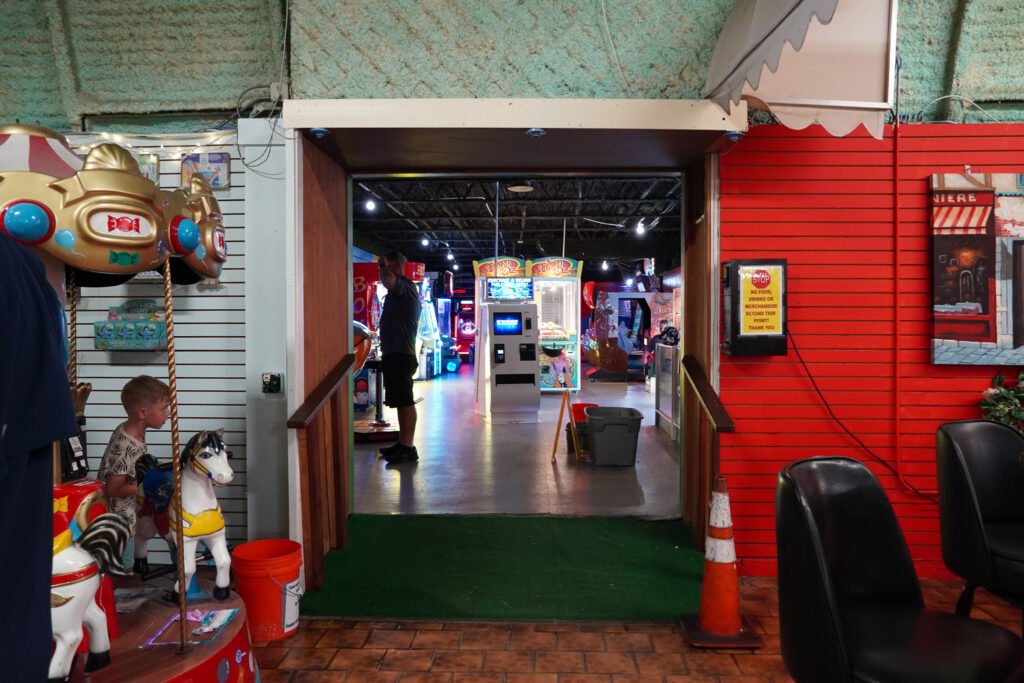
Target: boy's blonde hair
143,392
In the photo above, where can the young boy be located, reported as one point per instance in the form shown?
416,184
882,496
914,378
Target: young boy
147,402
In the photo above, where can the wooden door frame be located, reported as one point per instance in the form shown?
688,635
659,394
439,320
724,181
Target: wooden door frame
466,118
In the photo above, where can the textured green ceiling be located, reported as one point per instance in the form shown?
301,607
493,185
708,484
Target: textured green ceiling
103,63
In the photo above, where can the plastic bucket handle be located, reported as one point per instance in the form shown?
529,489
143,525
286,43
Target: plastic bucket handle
294,594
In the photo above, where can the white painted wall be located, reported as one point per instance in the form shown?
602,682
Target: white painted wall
262,145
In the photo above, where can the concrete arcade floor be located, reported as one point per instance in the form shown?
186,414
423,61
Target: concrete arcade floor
468,466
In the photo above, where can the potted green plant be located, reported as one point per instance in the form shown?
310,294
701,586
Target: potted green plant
1003,403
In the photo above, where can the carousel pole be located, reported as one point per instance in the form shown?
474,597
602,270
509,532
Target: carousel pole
179,532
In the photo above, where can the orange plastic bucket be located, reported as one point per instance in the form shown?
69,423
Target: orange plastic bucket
578,414
267,578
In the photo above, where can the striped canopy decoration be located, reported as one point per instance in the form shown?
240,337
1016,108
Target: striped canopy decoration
960,220
38,154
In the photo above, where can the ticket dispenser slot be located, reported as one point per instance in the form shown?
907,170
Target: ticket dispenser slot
499,353
527,352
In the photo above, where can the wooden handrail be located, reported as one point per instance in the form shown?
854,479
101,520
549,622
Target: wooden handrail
323,392
718,416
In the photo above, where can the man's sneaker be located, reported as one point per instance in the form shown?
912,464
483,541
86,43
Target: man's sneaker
388,450
402,455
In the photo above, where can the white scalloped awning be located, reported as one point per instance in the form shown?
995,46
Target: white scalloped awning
809,61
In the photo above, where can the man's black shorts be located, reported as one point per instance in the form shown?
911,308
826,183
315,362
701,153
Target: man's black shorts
398,369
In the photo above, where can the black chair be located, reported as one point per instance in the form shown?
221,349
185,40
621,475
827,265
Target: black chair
850,605
981,507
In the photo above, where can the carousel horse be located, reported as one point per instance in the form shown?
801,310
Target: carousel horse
204,465
76,578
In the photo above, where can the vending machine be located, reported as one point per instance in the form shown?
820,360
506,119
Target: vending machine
506,372
556,286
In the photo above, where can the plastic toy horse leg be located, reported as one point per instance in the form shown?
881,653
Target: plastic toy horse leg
190,562
219,549
65,643
144,530
99,639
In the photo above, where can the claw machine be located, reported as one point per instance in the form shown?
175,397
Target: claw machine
556,287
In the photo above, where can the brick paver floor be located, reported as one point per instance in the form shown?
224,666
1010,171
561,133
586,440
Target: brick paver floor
359,651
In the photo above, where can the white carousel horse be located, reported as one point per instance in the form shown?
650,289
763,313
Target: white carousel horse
76,578
204,465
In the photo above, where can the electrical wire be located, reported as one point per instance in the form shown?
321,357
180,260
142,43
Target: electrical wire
615,52
959,98
856,438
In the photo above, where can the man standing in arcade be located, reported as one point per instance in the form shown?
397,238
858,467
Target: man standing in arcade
35,411
399,322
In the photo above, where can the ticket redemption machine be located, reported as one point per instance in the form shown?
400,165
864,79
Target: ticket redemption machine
506,372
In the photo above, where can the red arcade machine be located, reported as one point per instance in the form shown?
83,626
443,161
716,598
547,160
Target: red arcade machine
465,328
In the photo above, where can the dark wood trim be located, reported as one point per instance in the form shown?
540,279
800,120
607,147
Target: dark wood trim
715,411
324,391
315,509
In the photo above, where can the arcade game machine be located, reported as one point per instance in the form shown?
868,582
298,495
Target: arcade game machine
465,329
506,372
556,284
428,342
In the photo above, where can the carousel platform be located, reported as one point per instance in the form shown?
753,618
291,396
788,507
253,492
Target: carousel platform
146,649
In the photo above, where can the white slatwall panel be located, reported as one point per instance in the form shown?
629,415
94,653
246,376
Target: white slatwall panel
209,325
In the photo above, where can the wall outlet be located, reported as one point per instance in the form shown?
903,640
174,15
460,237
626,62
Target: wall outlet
272,382
278,91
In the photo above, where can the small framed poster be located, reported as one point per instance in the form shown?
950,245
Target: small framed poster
149,166
215,166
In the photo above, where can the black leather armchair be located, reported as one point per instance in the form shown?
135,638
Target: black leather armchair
850,605
981,507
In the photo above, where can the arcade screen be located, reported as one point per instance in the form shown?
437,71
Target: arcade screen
508,323
510,289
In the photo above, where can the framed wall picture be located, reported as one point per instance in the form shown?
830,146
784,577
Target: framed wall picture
215,166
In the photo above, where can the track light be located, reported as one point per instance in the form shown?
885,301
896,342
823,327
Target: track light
640,229
370,205
425,242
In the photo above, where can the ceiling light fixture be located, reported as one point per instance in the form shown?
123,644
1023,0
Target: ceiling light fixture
520,188
604,265
425,242
536,132
451,257
629,282
370,205
455,266
640,229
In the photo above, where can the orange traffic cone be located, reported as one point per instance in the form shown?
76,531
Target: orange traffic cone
718,622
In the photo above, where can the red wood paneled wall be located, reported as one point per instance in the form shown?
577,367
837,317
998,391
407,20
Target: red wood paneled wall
859,251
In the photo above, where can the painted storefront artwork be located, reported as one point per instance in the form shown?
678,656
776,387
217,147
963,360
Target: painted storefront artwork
977,229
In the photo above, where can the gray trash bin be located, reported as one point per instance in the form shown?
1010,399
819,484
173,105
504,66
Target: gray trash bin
613,435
